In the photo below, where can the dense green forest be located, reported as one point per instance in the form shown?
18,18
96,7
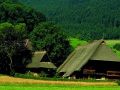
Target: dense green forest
84,19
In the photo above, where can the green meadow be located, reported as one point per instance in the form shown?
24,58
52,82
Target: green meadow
74,42
112,42
56,87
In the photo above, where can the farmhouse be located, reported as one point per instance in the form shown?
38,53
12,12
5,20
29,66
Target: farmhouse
93,60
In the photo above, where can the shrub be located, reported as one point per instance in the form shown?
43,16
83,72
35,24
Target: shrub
118,81
117,46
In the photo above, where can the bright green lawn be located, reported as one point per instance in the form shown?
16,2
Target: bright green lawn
74,42
56,87
112,42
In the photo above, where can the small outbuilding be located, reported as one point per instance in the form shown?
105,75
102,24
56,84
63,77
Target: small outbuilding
93,60
37,65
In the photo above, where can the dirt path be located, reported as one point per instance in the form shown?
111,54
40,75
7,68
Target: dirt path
7,79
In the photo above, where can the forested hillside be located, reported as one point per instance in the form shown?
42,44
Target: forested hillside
85,19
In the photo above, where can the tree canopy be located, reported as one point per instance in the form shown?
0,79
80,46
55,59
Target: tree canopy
11,46
48,37
18,13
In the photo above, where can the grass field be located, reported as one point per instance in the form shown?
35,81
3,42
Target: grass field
74,42
112,42
11,83
55,87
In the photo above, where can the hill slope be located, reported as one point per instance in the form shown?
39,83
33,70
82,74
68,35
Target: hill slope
85,19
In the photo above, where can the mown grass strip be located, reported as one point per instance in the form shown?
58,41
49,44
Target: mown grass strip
56,87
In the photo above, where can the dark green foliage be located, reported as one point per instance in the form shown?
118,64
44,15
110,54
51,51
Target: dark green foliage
117,46
118,82
84,19
12,49
48,37
17,13
9,1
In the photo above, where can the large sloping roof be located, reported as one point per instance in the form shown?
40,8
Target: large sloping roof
80,56
37,63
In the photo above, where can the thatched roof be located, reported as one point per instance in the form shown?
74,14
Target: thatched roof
82,54
37,63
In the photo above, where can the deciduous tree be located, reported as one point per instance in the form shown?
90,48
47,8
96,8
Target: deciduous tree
12,47
47,36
